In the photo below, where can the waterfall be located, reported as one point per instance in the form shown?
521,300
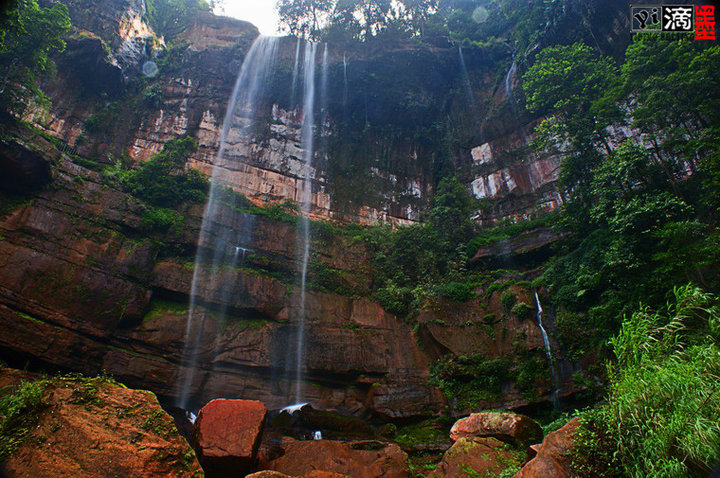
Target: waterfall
548,350
508,87
295,74
466,76
221,243
307,136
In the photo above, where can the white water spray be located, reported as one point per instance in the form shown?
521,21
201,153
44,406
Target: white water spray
216,240
307,139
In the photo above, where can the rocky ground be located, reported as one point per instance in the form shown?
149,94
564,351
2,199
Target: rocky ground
95,427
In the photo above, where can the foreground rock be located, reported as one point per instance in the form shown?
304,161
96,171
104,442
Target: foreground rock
472,456
552,457
508,427
362,459
94,428
228,435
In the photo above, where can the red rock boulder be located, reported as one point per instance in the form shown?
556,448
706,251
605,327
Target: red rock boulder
508,427
227,436
364,459
472,456
552,457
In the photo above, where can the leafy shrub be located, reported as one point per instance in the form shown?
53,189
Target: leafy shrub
508,299
521,310
661,417
162,219
456,291
466,380
19,412
163,181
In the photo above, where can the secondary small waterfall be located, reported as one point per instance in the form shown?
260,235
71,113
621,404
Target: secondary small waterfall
466,76
508,86
548,349
221,245
307,142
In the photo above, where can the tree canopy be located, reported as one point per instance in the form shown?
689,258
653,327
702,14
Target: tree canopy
28,34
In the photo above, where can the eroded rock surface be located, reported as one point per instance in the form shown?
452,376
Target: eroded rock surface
508,427
227,435
366,459
92,428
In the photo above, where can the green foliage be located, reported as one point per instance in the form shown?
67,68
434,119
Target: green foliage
19,413
169,18
467,380
521,310
663,409
507,231
28,34
162,219
508,299
164,182
456,291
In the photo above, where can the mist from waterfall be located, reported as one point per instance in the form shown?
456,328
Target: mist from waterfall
466,77
219,245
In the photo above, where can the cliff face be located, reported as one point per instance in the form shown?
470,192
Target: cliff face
85,285
394,117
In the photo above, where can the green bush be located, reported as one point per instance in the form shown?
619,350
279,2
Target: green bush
663,408
508,299
521,310
163,181
162,219
456,291
466,380
19,413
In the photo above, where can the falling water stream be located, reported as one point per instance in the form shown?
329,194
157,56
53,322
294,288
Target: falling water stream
220,244
548,350
307,138
466,76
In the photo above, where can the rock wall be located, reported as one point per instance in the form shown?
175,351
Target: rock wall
376,136
85,286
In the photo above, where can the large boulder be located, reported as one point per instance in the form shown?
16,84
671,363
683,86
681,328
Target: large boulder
552,457
508,427
90,428
472,456
362,459
227,435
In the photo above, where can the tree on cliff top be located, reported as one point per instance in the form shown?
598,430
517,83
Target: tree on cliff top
28,33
